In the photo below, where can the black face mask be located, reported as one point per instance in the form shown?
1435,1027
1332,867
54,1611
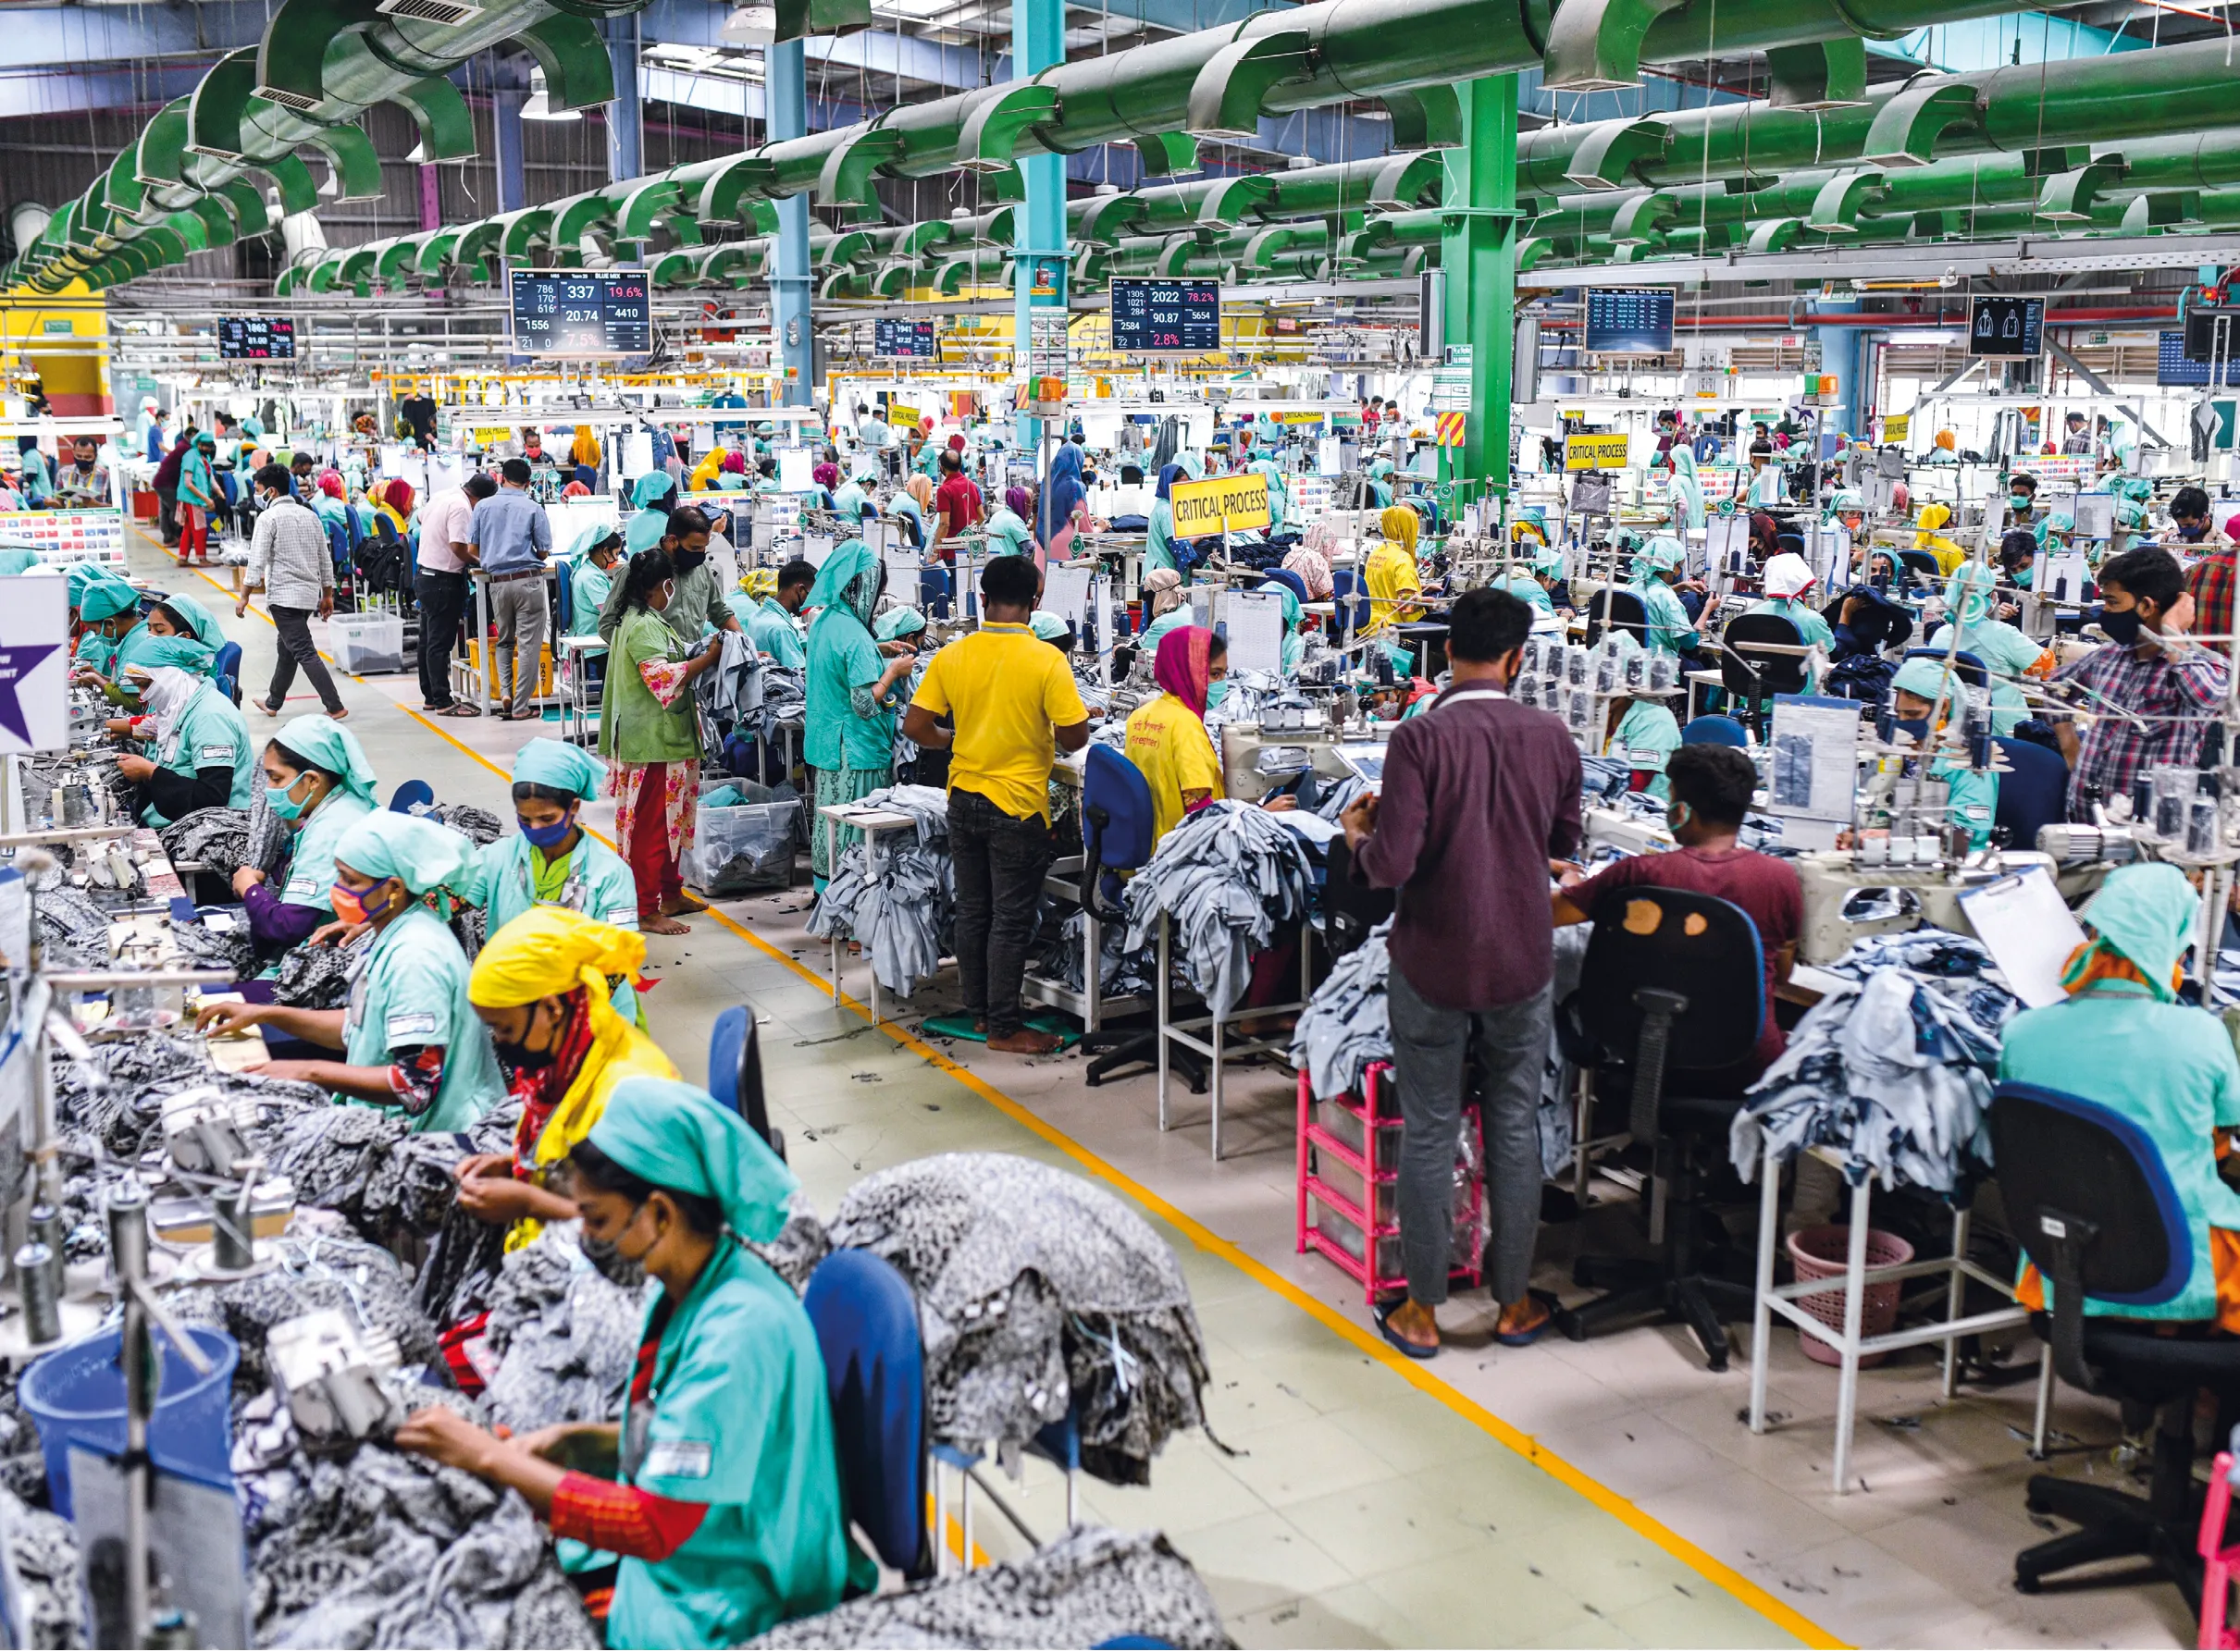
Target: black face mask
520,1056
687,560
2122,626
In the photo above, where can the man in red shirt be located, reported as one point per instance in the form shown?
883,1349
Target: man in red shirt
1711,789
958,499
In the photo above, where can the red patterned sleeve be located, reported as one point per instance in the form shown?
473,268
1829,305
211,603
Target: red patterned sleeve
623,1518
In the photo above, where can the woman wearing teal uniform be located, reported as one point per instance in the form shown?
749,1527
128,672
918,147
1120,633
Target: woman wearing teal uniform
849,729
319,785
1684,491
653,495
1167,603
1278,494
1646,731
725,1498
1294,616
2007,653
1787,578
201,755
1657,564
1007,528
106,608
1923,690
593,555
849,501
1527,576
553,862
1159,541
1379,481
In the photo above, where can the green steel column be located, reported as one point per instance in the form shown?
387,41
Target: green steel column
1477,249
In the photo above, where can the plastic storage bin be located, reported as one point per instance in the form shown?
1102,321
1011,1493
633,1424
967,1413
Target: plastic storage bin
743,848
366,644
77,1395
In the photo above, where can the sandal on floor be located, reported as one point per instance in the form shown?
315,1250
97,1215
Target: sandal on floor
1415,1351
460,708
1526,1339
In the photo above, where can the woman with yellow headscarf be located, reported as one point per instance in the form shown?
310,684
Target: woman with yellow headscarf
1391,573
543,984
584,455
1948,555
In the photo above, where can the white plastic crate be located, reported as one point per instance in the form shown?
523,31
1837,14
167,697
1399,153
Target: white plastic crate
363,645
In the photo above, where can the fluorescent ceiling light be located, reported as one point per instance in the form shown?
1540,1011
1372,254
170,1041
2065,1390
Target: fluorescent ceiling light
751,26
1937,336
540,106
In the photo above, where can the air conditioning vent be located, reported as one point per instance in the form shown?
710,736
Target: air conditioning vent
432,11
295,101
215,154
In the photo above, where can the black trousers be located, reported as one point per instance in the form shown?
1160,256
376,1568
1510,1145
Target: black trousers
166,514
443,604
1000,861
297,649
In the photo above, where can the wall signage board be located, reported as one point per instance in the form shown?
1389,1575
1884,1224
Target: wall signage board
1150,316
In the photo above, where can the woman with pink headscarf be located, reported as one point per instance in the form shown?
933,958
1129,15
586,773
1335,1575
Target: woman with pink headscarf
1313,567
1167,736
827,477
1008,527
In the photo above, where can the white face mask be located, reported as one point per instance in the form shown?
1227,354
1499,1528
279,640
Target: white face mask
664,597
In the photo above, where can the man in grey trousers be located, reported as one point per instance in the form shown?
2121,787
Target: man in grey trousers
512,537
1479,795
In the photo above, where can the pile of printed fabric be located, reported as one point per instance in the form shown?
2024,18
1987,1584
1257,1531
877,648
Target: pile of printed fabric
1893,1068
1226,877
906,918
1038,1293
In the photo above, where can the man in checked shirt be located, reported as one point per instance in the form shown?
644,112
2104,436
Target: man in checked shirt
2152,668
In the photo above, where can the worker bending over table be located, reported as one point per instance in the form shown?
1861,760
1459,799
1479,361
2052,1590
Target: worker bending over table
1478,794
201,756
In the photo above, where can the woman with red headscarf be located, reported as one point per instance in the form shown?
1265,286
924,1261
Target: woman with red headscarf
1167,736
393,499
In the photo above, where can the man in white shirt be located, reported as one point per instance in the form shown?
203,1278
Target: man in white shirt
440,584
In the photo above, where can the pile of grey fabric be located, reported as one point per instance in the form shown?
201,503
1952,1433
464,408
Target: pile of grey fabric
566,1335
1091,1588
1893,1068
1038,1293
1226,877
477,824
906,918
1345,1026
215,838
44,1550
73,928
388,1180
316,976
378,1548
1121,973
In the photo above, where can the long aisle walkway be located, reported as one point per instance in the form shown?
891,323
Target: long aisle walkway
1601,1494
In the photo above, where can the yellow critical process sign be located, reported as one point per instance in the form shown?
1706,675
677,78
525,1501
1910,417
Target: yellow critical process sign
1607,452
1219,504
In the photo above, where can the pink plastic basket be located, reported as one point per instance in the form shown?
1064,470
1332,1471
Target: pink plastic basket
1824,1253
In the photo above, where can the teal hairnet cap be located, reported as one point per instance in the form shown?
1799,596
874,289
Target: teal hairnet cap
592,536
184,652
198,621
104,598
561,766
2147,914
652,485
898,622
325,743
1926,679
1660,554
1968,592
669,1133
1048,626
849,560
422,853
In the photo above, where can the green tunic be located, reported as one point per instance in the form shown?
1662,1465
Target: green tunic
634,727
411,992
210,732
770,629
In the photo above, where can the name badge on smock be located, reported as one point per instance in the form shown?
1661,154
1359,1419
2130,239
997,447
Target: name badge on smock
408,1025
211,756
679,1460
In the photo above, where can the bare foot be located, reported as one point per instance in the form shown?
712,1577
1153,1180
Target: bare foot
1025,1041
662,924
1522,1321
683,904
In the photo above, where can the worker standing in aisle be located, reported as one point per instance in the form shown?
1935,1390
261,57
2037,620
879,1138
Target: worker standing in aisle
1479,794
440,582
1011,699
958,501
290,562
512,537
725,1498
198,498
696,602
1158,538
1391,573
847,736
772,627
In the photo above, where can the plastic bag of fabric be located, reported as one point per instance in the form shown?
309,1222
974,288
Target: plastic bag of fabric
739,848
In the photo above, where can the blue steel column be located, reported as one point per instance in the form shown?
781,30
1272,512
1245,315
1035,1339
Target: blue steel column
786,104
512,175
625,119
1839,348
1037,42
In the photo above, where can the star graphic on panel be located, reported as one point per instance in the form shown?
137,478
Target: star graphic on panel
16,663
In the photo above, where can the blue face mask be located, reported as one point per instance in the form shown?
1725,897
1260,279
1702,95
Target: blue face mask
547,837
1916,726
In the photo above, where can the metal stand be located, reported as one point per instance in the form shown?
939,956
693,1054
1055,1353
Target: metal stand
871,822
1214,1045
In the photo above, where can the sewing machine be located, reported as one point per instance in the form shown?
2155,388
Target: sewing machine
1614,829
1242,744
1831,878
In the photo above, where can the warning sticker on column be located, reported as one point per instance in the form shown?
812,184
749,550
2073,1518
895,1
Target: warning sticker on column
1219,503
1607,452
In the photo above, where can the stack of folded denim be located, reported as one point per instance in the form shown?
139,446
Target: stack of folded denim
1345,1027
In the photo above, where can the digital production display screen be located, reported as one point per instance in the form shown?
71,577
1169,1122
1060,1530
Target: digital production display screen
581,312
1153,316
2175,364
256,337
1628,321
911,339
2006,326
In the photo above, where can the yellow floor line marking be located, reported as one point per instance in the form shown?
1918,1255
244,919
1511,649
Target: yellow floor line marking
1706,1565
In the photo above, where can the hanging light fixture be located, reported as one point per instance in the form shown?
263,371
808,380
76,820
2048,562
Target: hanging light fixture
540,106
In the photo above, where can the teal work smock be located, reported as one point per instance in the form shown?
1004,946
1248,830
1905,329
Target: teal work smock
843,658
1158,539
1765,486
597,884
410,990
1670,630
2007,653
1970,799
1523,585
770,629
588,590
209,731
1686,494
1648,731
739,1423
1162,625
2167,1068
98,652
1017,538
310,881
849,500
1278,495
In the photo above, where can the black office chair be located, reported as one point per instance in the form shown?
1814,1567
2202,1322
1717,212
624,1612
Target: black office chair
1116,826
2091,1202
1882,624
1672,992
1350,910
1923,566
1752,677
1615,608
1969,668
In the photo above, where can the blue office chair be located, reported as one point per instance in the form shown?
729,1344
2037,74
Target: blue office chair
866,1322
2035,793
1116,816
411,794
1288,578
1349,593
563,596
935,589
229,661
1716,731
735,1071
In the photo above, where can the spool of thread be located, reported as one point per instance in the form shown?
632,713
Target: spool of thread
39,1278
2201,834
128,1215
46,1227
233,1247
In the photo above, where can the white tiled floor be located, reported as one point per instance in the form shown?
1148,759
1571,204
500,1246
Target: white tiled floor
1594,1494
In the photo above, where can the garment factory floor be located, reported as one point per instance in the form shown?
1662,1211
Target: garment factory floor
1602,1493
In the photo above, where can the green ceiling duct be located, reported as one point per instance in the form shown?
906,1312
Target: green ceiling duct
355,168
1822,74
1907,128
1226,95
1427,117
990,133
1595,45
1834,210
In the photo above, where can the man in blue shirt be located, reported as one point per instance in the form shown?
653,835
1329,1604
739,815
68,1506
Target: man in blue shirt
512,537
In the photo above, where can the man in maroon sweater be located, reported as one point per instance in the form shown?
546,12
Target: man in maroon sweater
1479,795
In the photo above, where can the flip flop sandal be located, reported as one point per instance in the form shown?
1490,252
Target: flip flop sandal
1415,1351
1526,1339
460,708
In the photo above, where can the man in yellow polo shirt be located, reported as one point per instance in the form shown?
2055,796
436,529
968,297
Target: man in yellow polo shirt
1011,699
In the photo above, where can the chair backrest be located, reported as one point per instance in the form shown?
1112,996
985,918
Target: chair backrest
866,1322
1288,578
1969,668
1754,676
229,661
1346,589
2091,1202
1704,950
1921,562
934,591
563,594
412,794
2035,793
1716,731
735,1071
1116,820
1620,610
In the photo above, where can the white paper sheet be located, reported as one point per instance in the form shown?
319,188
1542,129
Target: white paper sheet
1065,592
795,466
1255,620
1815,757
2029,930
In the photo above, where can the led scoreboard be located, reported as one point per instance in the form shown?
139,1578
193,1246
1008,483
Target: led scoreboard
581,313
1148,316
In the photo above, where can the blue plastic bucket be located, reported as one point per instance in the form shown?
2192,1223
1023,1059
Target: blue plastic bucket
77,1396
